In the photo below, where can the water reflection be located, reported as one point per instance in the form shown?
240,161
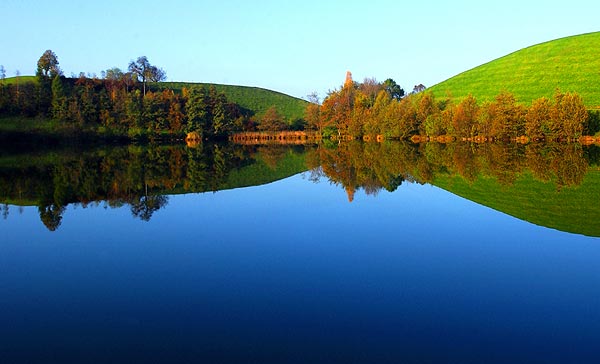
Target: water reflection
134,176
377,166
143,177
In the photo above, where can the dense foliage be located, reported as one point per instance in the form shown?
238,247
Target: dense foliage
370,110
123,103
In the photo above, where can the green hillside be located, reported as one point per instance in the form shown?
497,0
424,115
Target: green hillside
573,209
21,79
571,64
255,99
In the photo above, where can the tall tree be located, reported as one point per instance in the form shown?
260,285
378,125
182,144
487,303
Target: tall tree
2,73
313,111
47,69
272,121
146,72
197,109
47,66
59,99
465,117
568,115
537,118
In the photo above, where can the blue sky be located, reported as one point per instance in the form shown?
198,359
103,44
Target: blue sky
295,47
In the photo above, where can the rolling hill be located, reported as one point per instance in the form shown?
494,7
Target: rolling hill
572,210
571,64
255,99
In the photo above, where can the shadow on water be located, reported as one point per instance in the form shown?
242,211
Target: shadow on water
552,185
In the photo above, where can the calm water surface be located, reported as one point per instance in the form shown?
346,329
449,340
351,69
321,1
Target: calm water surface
290,271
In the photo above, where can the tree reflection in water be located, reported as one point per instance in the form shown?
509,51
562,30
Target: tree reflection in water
141,177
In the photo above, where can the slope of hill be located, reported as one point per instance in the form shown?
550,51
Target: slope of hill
256,99
570,64
20,79
572,210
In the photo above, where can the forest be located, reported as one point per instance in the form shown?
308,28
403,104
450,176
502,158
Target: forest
372,110
127,103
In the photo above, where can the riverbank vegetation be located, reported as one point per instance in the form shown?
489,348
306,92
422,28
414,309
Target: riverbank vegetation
136,104
369,110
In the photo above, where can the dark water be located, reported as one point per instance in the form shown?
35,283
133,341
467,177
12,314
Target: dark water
287,271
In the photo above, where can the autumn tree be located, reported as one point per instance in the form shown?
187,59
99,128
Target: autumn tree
312,113
428,114
537,119
369,88
568,115
506,116
379,117
465,116
403,116
337,108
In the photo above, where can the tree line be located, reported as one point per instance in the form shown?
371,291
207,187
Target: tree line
371,109
123,102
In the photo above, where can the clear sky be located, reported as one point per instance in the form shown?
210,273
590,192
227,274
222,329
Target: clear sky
295,47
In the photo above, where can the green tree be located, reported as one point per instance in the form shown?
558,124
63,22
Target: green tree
47,69
393,89
272,121
47,66
59,99
196,106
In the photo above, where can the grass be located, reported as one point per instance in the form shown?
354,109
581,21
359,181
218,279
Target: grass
256,99
261,173
21,124
572,209
21,79
570,64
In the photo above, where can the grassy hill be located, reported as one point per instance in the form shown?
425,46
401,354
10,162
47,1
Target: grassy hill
21,79
255,99
571,64
573,209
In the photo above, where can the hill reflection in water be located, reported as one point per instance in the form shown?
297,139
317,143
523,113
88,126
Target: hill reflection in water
553,185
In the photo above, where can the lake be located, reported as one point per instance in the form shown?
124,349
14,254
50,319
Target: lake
342,252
